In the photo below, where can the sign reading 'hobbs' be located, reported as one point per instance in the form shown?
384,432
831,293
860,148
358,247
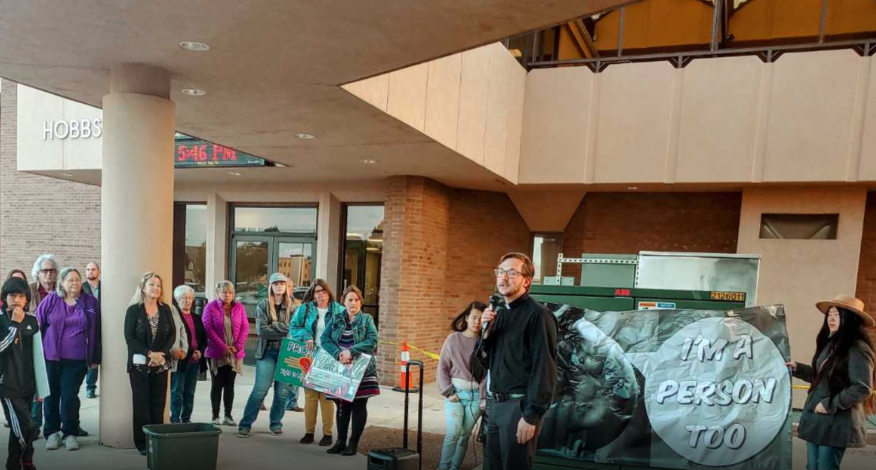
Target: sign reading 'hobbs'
72,129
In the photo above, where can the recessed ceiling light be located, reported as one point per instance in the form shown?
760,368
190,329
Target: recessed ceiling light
234,173
193,92
305,136
632,188
369,161
194,46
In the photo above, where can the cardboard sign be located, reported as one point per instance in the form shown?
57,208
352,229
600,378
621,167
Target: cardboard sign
335,379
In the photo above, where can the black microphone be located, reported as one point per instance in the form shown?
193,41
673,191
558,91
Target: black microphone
495,301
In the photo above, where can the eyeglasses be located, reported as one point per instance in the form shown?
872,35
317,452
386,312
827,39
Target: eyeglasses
48,271
320,291
512,274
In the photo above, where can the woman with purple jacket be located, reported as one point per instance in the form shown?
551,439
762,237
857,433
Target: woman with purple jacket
227,328
70,325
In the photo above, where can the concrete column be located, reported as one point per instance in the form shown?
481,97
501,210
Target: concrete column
328,239
217,242
136,221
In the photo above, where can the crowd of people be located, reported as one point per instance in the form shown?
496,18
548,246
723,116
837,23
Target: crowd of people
499,361
168,342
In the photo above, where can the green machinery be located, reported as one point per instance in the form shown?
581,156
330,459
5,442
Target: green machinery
608,284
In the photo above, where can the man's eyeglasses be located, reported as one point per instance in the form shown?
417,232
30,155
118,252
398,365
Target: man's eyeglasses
48,271
512,274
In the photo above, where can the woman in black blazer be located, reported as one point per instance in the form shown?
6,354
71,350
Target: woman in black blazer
184,379
150,333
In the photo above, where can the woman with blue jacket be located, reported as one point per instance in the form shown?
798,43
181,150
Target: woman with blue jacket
347,337
307,325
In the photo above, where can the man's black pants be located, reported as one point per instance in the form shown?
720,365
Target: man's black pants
505,452
21,431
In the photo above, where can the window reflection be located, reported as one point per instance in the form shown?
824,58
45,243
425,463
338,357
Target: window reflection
196,247
363,253
295,220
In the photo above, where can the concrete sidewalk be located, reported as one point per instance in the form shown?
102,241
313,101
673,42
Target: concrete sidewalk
262,448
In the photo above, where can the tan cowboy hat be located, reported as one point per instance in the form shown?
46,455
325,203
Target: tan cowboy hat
849,303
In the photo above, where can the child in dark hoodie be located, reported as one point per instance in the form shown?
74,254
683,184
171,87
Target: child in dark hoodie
17,379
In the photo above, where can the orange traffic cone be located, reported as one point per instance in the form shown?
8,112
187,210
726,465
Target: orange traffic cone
403,375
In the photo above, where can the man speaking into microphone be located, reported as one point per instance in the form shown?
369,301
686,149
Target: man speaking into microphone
520,352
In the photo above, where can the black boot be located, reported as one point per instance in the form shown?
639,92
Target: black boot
307,439
339,447
325,441
352,449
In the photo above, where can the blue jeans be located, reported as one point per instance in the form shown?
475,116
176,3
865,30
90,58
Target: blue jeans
823,457
292,397
182,393
264,378
36,413
461,418
91,379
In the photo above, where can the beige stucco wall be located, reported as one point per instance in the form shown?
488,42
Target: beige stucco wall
812,270
471,102
38,151
808,117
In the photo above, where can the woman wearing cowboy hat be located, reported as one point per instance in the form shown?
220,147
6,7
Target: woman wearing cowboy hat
841,377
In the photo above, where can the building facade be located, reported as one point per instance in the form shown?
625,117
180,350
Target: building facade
664,125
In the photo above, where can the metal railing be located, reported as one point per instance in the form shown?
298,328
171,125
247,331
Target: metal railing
865,47
532,56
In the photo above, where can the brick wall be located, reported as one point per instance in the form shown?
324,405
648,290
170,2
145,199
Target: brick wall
437,257
626,223
866,289
476,246
40,214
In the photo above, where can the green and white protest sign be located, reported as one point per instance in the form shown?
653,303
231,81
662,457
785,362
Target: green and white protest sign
293,363
335,379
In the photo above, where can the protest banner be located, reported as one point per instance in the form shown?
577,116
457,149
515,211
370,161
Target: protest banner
293,362
672,389
335,379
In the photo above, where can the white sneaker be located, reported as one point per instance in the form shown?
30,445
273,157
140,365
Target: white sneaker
53,442
71,443
229,421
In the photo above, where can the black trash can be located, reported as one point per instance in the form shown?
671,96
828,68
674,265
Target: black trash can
192,446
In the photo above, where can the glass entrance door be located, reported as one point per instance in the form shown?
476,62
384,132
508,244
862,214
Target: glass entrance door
295,260
255,258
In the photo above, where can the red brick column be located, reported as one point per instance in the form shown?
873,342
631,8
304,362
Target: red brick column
413,270
440,246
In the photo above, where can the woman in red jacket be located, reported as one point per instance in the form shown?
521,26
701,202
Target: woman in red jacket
227,329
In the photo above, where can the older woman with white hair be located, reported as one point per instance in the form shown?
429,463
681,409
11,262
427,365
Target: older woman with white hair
184,378
70,326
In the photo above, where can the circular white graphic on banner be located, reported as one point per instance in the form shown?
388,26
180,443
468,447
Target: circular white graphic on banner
719,392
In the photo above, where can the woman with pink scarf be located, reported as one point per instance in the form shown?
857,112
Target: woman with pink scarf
227,329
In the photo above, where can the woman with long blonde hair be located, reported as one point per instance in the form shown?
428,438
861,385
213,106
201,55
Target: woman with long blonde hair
272,323
150,333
